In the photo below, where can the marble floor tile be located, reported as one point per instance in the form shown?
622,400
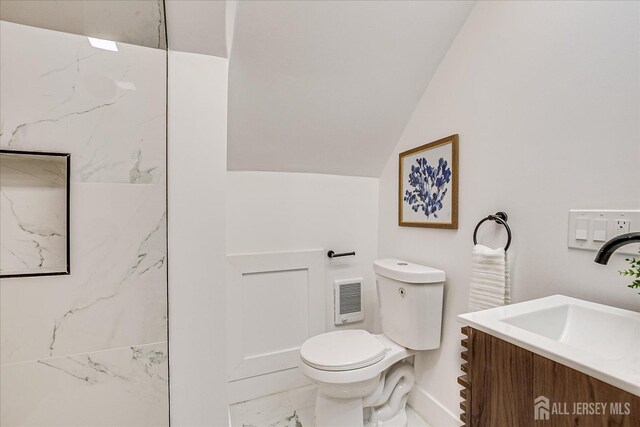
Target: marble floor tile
293,408
415,420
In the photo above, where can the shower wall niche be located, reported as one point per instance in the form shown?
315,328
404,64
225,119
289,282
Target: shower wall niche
88,348
34,213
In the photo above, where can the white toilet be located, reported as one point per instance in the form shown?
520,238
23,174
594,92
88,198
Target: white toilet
363,379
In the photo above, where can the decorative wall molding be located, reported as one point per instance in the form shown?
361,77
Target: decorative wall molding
275,301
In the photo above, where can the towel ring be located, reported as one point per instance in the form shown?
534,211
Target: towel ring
500,218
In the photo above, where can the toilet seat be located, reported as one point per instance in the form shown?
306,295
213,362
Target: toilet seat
342,350
393,353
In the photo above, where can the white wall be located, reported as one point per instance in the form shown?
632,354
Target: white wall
546,99
279,212
197,144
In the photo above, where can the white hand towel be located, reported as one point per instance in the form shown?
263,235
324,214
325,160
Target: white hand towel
489,278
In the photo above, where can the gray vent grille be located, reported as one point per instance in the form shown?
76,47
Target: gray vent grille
350,297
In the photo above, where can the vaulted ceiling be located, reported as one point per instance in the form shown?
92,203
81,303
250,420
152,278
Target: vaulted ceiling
328,86
314,86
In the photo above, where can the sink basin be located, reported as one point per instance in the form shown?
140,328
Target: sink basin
608,335
595,339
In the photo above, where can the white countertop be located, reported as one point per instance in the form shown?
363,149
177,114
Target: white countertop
598,340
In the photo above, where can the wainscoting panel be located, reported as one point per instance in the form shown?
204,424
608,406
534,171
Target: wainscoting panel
275,302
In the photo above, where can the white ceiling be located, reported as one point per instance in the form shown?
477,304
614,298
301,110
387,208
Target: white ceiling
314,86
328,87
138,22
197,26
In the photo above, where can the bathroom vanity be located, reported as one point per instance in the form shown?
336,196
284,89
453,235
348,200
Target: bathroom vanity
555,361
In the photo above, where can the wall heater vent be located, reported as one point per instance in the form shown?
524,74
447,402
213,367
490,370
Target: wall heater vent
348,301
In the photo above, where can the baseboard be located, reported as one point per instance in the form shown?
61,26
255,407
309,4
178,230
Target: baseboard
264,385
431,410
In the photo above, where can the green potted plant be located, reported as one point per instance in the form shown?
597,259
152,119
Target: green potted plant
633,272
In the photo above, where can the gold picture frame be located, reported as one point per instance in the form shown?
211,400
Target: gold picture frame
428,185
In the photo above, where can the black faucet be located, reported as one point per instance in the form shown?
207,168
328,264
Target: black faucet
614,244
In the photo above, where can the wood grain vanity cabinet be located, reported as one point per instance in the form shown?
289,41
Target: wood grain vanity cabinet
501,381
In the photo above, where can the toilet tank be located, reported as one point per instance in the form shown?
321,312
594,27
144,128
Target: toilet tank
410,298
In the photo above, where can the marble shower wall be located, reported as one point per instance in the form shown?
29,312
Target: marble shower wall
89,348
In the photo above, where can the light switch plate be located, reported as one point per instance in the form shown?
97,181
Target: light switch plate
596,220
600,230
582,228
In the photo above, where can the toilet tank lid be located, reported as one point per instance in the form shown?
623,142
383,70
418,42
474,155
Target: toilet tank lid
408,272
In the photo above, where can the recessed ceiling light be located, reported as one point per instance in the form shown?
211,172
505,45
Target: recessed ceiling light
126,85
103,44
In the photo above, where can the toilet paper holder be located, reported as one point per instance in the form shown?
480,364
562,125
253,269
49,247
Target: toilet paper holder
332,254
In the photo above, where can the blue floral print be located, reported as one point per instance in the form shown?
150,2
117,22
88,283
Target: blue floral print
428,183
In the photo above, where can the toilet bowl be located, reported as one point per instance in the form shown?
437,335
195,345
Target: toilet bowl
357,371
349,368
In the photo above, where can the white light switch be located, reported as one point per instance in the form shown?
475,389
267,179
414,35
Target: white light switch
600,230
589,229
582,228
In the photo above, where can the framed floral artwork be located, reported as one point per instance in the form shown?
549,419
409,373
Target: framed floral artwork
428,185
